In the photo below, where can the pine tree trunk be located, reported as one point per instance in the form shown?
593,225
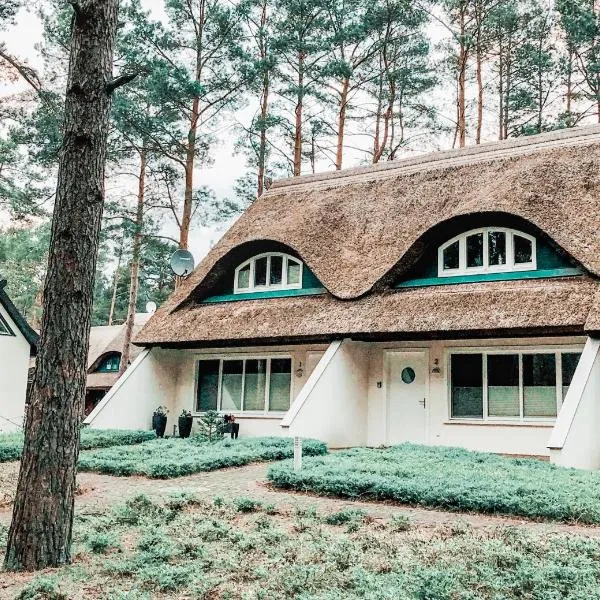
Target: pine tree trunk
298,117
41,528
113,300
342,124
479,95
462,120
264,109
190,156
135,264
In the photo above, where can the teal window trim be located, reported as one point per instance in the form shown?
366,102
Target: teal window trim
263,295
509,276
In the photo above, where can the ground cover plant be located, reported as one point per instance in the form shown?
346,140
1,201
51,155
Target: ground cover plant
450,478
165,458
184,547
11,444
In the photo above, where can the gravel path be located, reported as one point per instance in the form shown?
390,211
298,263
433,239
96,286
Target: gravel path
99,491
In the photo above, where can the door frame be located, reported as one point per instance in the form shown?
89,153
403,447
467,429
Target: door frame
387,354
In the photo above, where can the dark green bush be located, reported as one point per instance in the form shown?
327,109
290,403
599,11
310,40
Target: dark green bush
450,478
43,587
166,458
11,444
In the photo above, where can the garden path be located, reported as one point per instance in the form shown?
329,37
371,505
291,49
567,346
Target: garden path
99,491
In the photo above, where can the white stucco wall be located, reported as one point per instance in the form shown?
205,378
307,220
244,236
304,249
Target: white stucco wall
333,407
149,382
14,366
303,357
575,441
529,438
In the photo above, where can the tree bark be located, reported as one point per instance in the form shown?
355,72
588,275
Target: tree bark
461,100
41,528
264,107
342,124
479,67
135,264
298,117
113,300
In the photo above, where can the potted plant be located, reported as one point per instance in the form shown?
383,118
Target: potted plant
159,421
185,423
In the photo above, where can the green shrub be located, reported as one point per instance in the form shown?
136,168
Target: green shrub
246,505
345,516
43,587
101,542
11,444
450,478
400,523
167,458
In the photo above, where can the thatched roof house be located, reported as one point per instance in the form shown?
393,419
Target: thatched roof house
450,298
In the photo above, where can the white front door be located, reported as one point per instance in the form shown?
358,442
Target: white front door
407,392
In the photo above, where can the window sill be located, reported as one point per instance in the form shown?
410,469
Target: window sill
275,416
499,423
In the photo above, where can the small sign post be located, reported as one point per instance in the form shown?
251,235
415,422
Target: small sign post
297,454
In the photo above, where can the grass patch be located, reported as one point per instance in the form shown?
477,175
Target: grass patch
11,444
450,478
194,549
166,458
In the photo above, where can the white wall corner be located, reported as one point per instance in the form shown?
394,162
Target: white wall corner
574,441
332,405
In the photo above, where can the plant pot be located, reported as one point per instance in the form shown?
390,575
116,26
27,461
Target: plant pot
159,424
185,426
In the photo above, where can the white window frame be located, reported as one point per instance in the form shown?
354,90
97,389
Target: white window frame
284,285
510,265
558,351
245,357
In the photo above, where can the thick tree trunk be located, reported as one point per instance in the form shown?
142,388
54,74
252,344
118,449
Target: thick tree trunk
113,300
135,264
41,528
298,117
342,124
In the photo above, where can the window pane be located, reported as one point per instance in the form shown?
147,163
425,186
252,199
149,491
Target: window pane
539,385
260,271
243,281
467,385
276,270
451,256
523,250
231,386
280,384
293,272
4,329
208,385
569,364
503,385
497,247
475,250
254,385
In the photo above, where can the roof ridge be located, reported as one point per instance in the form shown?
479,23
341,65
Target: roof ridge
447,158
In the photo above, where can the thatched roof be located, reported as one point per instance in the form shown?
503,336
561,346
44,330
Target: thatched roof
361,228
106,340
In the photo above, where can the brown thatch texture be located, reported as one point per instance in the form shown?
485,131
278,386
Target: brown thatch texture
100,381
356,229
560,305
592,324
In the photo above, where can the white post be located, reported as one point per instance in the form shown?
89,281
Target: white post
297,453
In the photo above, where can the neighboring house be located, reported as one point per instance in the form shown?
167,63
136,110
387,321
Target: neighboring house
449,299
17,344
104,358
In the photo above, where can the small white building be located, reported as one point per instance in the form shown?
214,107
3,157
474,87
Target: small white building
447,299
17,344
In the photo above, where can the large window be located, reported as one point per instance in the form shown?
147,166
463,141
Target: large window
271,271
261,384
487,250
510,385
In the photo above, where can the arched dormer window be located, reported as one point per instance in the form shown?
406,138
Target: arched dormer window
110,363
268,271
487,250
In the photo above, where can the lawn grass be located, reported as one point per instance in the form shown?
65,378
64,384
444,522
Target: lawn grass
450,478
166,458
11,444
189,548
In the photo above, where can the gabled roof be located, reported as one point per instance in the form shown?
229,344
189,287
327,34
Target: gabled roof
19,320
356,228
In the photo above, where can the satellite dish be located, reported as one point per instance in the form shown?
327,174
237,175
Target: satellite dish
151,307
182,262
